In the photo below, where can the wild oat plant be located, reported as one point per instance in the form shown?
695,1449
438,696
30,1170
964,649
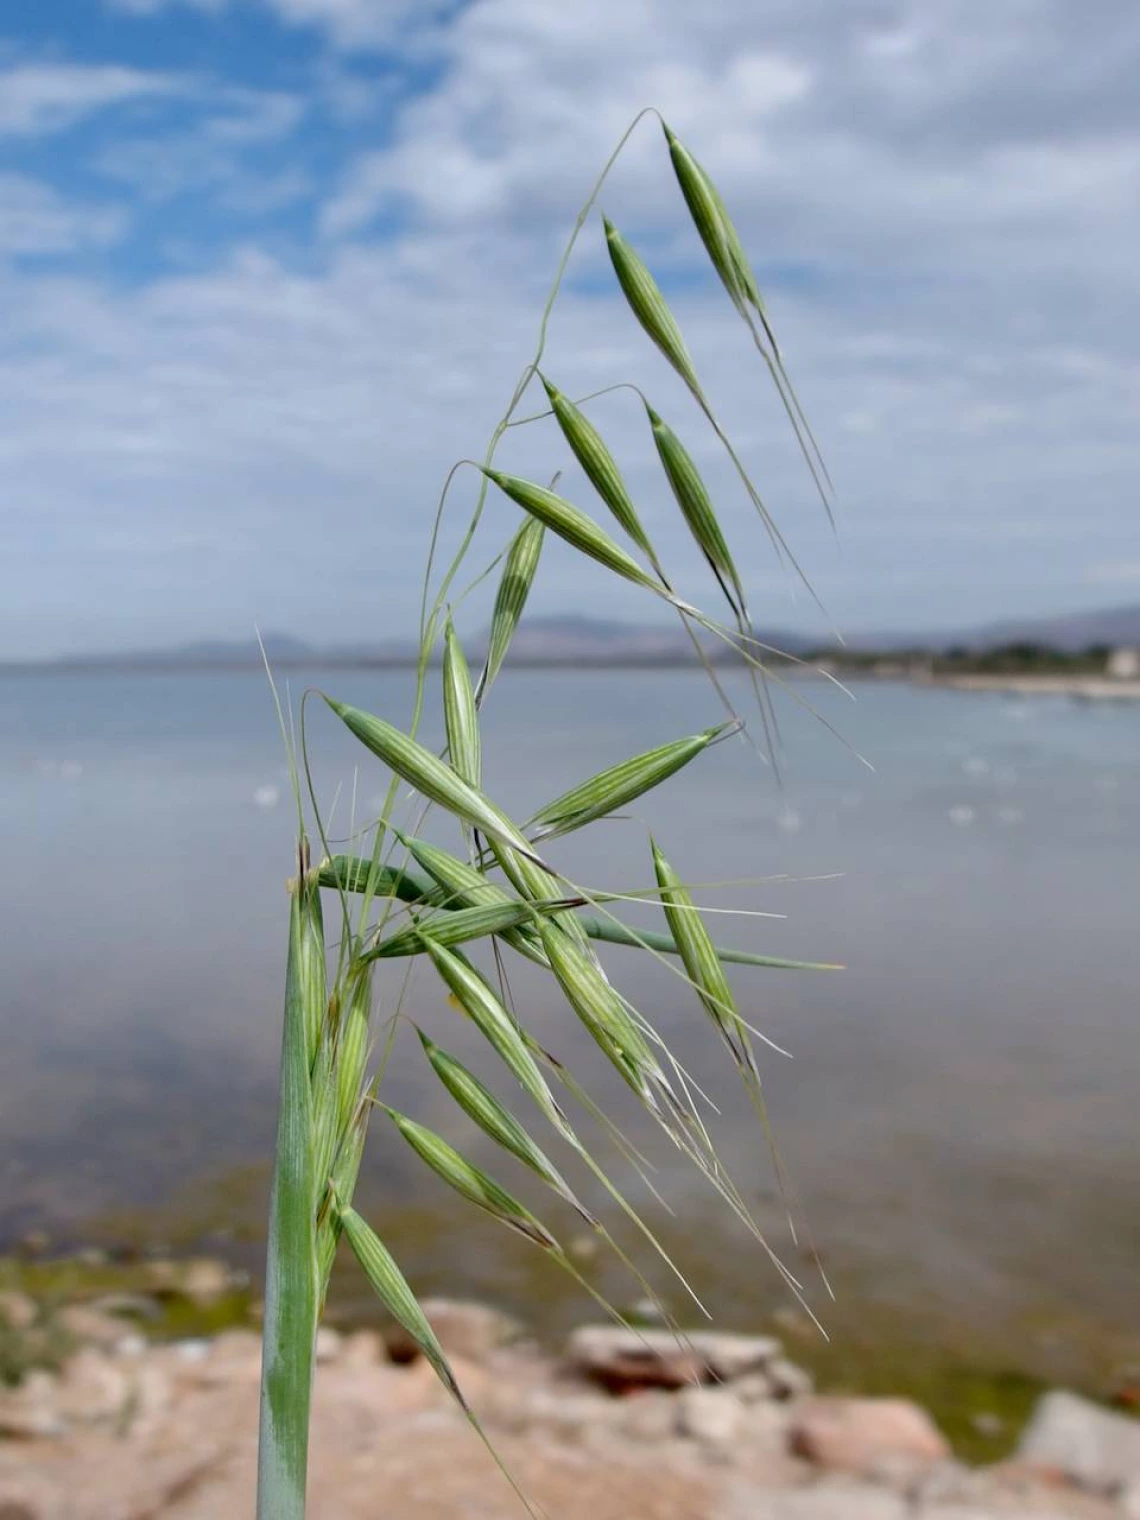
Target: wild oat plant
407,899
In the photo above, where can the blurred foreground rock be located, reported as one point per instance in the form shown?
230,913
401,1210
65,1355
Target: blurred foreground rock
610,1431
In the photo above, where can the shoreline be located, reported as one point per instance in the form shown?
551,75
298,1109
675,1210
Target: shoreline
1081,688
617,1423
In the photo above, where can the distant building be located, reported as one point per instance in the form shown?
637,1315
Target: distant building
1123,665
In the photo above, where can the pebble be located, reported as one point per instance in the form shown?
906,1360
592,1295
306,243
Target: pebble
787,1381
328,1344
17,1310
1091,1446
712,1416
866,1435
91,1388
463,1329
620,1359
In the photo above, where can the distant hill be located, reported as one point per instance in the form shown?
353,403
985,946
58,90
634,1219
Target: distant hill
579,640
1074,631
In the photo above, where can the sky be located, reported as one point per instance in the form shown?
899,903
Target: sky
269,268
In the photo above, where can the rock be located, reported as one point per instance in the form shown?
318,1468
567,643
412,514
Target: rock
29,1412
91,1327
463,1329
328,1344
753,1388
1129,1501
194,1350
648,1416
17,1509
152,1393
818,1501
361,1349
788,1381
764,1434
886,1437
202,1280
92,1388
232,1357
712,1416
622,1359
17,1310
575,1418
1089,1445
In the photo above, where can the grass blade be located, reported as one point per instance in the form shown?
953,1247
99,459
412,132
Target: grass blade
391,1288
469,1181
598,463
460,720
621,783
447,929
486,1011
510,599
290,1323
696,506
578,529
615,933
427,773
649,306
494,1120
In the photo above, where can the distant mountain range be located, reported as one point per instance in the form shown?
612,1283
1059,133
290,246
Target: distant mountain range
578,640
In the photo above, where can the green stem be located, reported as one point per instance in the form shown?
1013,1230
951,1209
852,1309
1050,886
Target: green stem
290,1323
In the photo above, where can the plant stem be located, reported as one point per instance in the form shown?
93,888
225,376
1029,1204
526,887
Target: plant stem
290,1323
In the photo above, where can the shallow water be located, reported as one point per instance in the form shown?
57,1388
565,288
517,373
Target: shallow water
959,1115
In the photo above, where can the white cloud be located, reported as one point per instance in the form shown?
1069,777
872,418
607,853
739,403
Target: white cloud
35,220
37,98
349,24
940,199
209,152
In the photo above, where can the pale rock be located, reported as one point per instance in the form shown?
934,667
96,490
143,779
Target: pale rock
621,1359
816,1501
463,1329
648,1416
201,1279
18,1310
788,1381
195,1350
1089,1445
21,1499
328,1344
1129,1501
888,1437
753,1388
948,1483
29,1412
91,1327
712,1416
362,1348
570,1416
415,1387
92,1388
232,1357
130,1347
150,1397
18,1509
764,1433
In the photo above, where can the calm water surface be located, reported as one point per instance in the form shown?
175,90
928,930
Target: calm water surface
959,1115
